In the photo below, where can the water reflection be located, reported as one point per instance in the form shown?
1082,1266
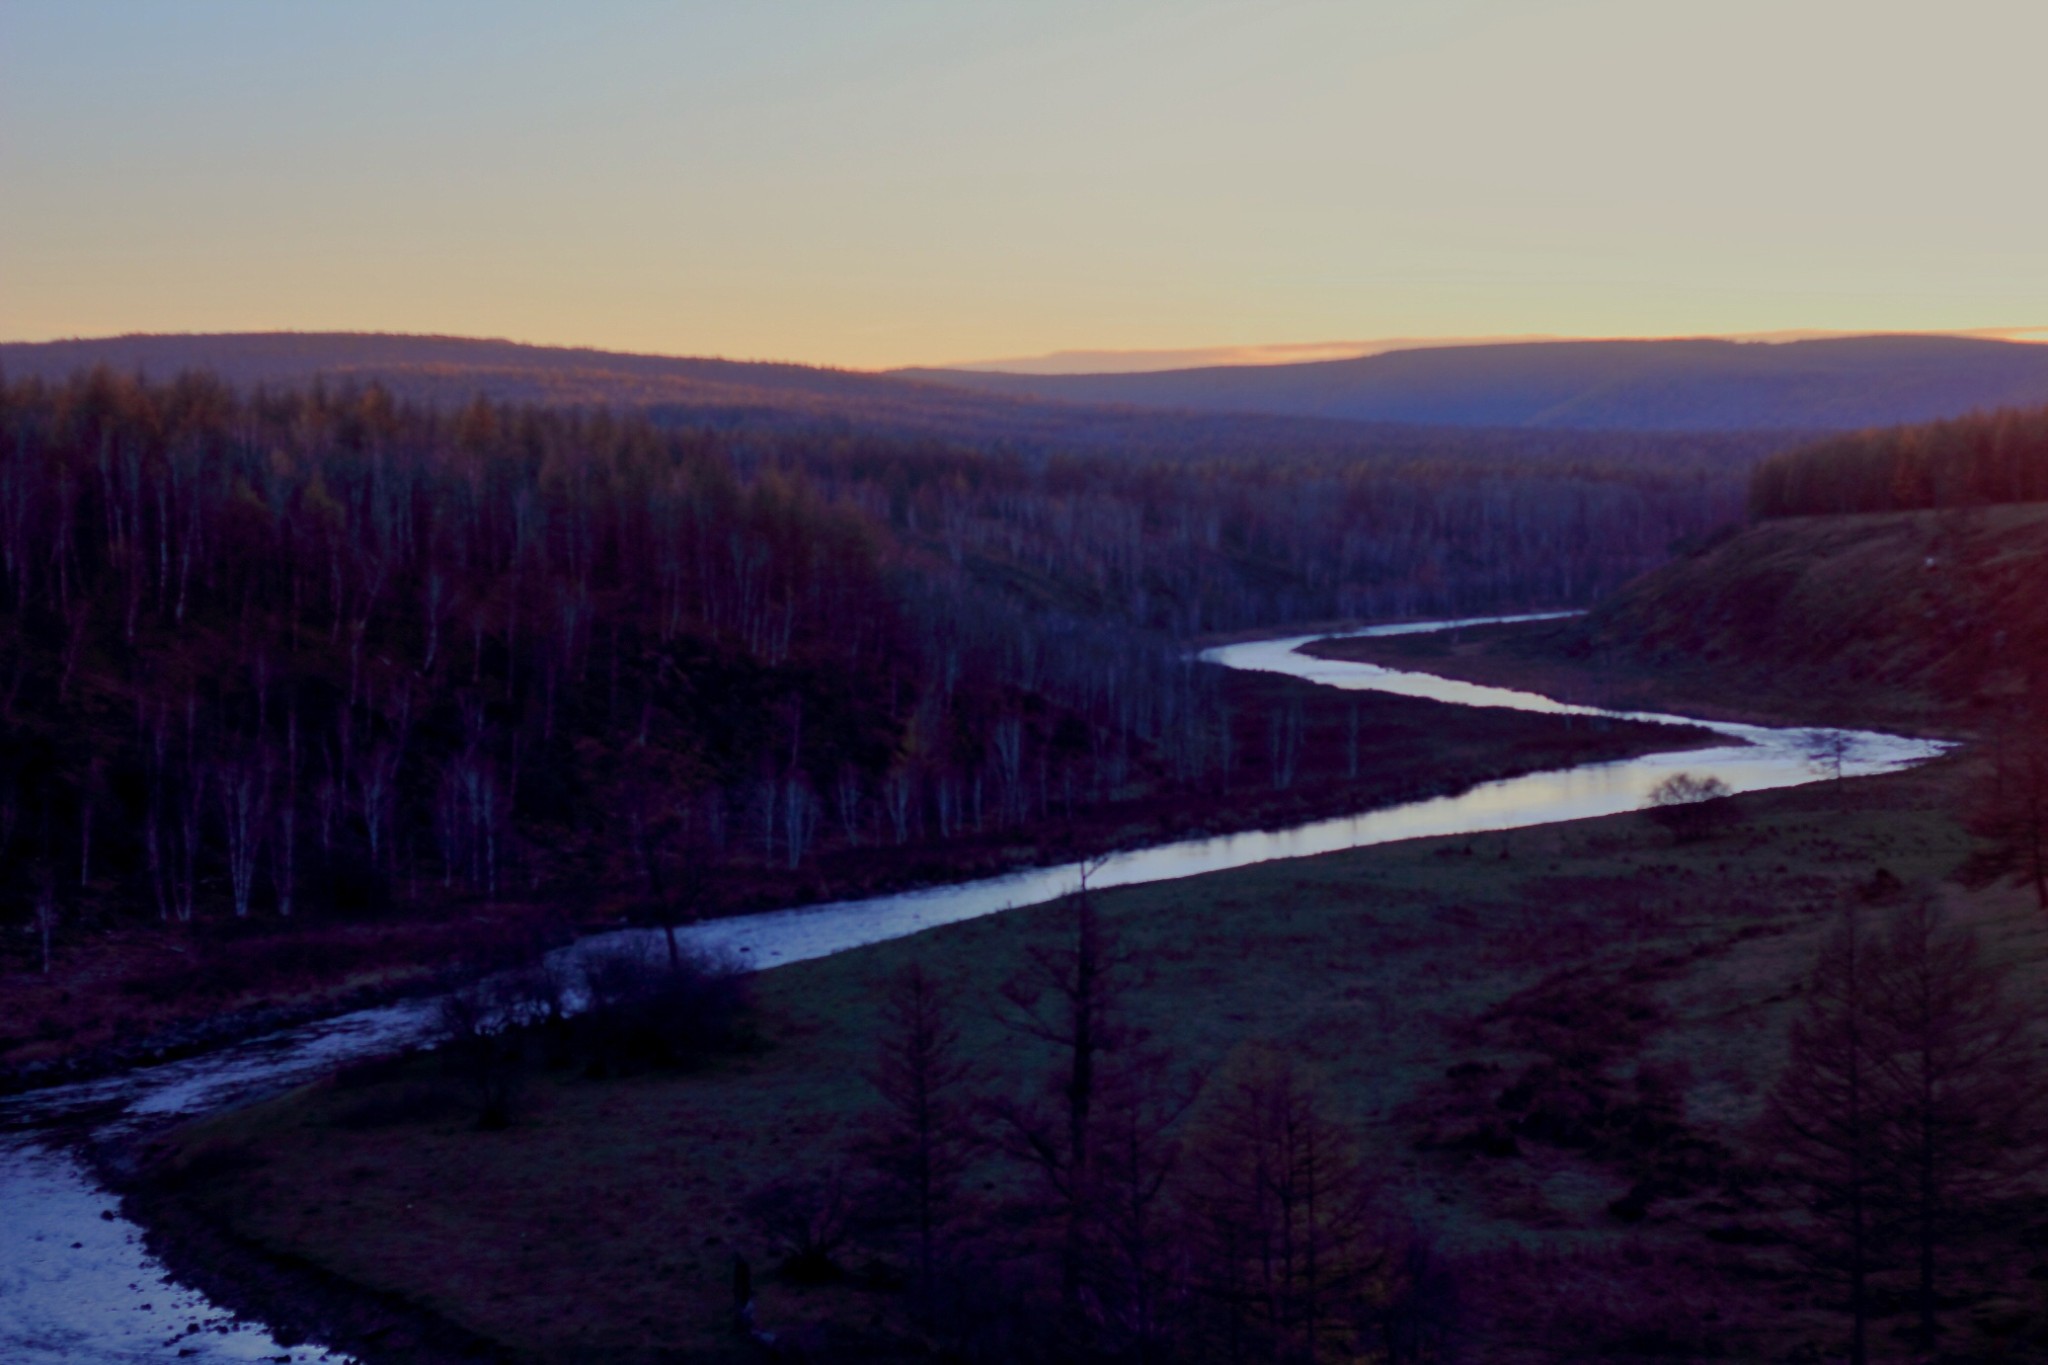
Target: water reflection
1759,757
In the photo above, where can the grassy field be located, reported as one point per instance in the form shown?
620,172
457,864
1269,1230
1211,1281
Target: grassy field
1554,1042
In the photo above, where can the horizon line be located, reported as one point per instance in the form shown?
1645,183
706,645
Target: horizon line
1133,360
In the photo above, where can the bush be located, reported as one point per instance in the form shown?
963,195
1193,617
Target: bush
808,1218
642,1006
483,1040
1691,807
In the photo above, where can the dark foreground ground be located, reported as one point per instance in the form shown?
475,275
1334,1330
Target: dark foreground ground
1553,1045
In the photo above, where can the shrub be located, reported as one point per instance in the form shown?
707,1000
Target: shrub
808,1219
643,1006
482,1040
1691,807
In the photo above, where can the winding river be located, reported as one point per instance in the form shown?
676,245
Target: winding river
76,1285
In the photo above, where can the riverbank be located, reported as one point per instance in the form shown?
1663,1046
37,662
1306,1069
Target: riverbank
129,995
295,1298
1475,1005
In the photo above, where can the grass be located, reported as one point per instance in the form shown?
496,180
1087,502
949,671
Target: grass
1443,988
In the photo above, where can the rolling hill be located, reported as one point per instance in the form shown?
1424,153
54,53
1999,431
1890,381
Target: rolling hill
444,371
1943,604
1680,385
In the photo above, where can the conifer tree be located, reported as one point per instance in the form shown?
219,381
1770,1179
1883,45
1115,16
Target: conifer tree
1824,1119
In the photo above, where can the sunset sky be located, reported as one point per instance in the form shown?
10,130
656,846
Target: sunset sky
895,182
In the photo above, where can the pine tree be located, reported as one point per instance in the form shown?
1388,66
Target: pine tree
1961,1079
924,1134
1825,1122
1288,1249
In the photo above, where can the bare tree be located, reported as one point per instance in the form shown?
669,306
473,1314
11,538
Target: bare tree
243,786
284,854
809,1217
1068,997
1690,807
1281,1212
1422,1321
377,786
1283,743
1352,730
799,817
90,792
481,1030
46,913
1825,1119
923,1136
1828,750
1008,743
1961,1074
1139,1275
900,792
847,799
1911,1104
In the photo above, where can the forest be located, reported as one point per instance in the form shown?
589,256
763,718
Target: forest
325,649
1985,458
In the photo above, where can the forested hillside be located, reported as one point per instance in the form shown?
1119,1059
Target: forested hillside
326,648
1969,462
1933,593
1893,574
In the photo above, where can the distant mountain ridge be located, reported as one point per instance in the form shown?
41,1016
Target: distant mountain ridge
444,371
1829,384
427,368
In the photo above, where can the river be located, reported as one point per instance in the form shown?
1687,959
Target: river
76,1285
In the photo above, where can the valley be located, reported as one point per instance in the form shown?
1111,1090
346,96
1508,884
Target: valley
1547,1055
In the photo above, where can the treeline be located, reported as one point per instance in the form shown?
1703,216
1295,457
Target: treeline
318,648
1191,547
1972,461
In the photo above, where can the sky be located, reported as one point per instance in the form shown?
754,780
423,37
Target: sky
869,183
